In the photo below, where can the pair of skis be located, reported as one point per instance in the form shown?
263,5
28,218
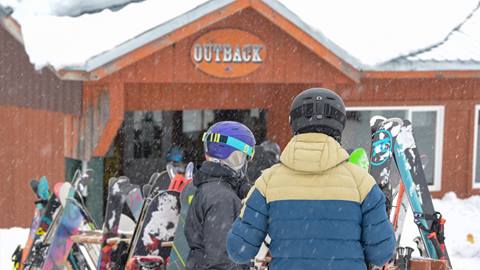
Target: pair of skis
393,141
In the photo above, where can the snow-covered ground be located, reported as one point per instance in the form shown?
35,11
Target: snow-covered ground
9,240
463,219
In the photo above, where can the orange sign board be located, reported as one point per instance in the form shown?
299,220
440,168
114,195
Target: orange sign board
228,53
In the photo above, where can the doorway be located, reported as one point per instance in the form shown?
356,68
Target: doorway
141,145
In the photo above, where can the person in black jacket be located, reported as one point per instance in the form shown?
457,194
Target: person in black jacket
267,154
217,201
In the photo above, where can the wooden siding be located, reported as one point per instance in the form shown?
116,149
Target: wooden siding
21,85
31,146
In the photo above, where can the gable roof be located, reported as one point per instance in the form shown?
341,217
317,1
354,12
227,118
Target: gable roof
457,52
167,33
200,17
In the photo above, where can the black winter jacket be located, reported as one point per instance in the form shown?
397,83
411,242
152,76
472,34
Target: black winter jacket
261,161
215,206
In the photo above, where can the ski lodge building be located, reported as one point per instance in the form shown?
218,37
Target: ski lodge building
238,60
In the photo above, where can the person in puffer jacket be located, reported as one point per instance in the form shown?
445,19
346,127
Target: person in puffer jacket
217,201
320,211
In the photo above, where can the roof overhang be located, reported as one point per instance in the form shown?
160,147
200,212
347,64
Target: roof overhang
172,31
153,40
10,24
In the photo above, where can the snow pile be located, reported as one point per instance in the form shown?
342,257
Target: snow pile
63,41
62,7
462,224
9,240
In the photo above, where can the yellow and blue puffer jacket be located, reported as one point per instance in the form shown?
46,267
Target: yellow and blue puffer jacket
320,211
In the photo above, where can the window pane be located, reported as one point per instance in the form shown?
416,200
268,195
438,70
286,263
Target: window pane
424,126
477,165
357,129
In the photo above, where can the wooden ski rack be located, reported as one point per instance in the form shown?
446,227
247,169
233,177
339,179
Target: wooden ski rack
95,237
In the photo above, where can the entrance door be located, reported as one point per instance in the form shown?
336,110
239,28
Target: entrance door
142,144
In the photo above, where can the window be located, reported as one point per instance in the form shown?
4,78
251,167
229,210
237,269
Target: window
476,158
427,123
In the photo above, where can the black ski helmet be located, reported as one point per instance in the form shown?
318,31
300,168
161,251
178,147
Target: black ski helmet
318,110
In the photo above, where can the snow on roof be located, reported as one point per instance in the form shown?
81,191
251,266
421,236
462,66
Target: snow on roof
64,7
63,41
375,31
367,32
460,49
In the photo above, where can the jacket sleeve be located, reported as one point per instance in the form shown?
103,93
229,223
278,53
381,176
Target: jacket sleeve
218,218
378,238
250,228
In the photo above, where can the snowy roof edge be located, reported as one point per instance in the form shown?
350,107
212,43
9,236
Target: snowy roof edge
150,35
319,36
5,11
194,14
427,65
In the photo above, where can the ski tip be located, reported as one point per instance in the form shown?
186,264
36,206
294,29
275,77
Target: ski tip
33,184
111,181
153,178
376,121
396,120
146,190
189,170
43,190
56,189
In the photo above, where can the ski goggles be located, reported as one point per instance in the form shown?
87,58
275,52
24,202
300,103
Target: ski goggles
230,141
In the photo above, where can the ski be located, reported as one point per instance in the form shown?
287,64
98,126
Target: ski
429,222
384,134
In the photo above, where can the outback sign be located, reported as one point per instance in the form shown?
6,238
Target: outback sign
228,53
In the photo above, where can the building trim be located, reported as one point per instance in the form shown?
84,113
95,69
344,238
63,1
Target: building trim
440,110
475,185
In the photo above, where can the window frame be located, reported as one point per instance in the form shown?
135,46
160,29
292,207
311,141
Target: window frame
439,130
475,185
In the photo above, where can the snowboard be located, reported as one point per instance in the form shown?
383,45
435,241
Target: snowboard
157,226
429,222
60,251
180,248
41,191
69,223
115,201
36,255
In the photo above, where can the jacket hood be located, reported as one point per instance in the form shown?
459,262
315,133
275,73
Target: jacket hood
214,172
313,152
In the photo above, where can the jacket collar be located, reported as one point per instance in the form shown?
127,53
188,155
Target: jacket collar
214,172
313,152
